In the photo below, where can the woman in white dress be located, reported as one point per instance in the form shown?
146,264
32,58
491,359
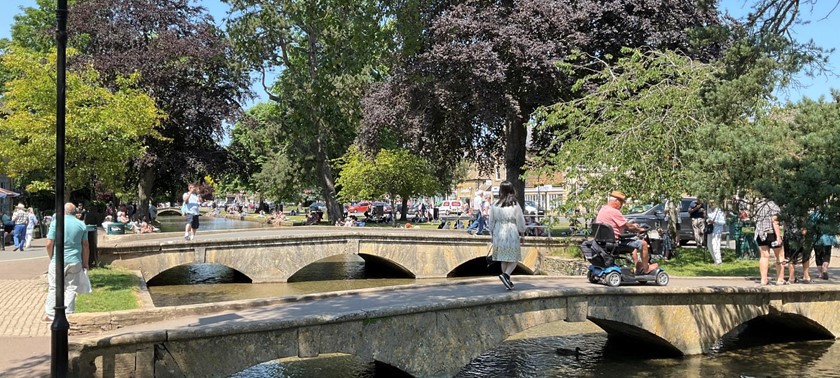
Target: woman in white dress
507,225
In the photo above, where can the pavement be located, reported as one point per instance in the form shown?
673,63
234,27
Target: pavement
25,340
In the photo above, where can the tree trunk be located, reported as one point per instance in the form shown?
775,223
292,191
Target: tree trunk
515,157
144,191
404,209
334,209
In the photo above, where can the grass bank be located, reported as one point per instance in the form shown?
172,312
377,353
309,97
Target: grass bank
114,289
692,262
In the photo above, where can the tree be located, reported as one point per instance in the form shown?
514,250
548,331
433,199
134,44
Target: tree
391,174
631,127
103,127
487,65
185,62
327,54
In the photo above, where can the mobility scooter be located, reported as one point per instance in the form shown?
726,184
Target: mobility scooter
605,254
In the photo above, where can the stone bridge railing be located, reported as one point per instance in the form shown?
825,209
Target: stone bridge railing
436,338
276,258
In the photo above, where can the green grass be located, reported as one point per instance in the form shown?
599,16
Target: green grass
114,289
697,262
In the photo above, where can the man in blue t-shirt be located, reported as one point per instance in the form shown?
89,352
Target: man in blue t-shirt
76,255
190,210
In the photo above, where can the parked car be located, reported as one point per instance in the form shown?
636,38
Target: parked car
655,218
318,207
359,207
531,208
449,207
386,207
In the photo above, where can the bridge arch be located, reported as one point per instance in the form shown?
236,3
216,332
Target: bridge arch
198,273
170,210
776,327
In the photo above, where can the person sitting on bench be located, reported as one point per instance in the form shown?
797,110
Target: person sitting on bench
610,214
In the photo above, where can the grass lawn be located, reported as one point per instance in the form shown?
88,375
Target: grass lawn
114,289
698,262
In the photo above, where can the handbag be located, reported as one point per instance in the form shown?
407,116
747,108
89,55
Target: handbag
489,257
84,283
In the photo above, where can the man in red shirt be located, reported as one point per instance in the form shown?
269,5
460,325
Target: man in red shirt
611,214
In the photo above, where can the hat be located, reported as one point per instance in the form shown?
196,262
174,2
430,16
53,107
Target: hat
618,195
21,206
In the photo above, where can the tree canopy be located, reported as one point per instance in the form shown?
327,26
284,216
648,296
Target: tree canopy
327,54
388,174
486,66
103,127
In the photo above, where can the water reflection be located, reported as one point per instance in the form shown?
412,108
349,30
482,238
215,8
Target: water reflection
172,223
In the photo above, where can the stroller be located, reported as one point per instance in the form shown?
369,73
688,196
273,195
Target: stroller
604,253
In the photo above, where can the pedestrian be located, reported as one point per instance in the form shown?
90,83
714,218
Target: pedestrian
20,218
697,213
796,252
190,210
152,211
30,226
507,226
767,236
822,246
81,212
475,208
717,218
76,254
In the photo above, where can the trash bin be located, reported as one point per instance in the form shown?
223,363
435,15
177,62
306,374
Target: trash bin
94,252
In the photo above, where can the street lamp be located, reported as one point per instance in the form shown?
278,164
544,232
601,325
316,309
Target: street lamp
60,326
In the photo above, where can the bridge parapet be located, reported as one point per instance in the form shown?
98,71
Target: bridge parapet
275,258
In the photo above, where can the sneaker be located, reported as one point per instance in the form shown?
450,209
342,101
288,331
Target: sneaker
505,281
507,278
186,237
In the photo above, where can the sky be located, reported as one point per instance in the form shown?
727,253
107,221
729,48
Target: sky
822,30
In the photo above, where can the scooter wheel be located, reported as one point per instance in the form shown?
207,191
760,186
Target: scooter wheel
592,277
613,279
662,279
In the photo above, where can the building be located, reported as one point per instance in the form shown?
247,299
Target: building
546,190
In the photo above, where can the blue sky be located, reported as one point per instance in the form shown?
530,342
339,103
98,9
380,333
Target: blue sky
822,30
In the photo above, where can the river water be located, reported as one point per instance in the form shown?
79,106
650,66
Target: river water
171,223
544,351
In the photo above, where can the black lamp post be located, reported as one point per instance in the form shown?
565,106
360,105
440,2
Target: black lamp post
60,326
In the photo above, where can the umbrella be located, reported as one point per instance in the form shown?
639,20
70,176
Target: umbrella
8,193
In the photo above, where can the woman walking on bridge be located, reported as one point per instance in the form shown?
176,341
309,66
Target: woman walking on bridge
507,225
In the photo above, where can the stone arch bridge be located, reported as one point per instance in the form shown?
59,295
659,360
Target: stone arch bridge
275,255
434,331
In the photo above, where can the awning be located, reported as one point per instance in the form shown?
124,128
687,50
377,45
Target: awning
7,193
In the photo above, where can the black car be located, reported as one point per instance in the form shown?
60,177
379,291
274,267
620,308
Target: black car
655,218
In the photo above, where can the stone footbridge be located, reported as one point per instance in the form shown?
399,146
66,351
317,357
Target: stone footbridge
435,330
274,255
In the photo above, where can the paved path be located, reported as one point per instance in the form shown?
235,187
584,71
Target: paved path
25,341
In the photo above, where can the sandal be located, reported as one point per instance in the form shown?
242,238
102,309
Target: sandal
780,283
804,281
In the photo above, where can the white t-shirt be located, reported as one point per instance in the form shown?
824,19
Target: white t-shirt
191,204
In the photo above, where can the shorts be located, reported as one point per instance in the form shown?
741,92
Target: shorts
771,237
822,254
795,251
635,244
192,220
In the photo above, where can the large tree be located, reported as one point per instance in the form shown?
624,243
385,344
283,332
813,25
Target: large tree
104,127
185,62
327,53
485,66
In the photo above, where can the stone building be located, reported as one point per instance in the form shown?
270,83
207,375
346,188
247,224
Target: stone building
546,190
